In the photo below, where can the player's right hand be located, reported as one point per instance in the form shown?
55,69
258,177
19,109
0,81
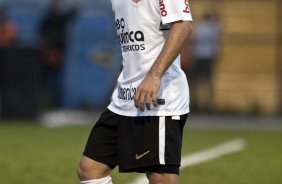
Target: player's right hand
147,92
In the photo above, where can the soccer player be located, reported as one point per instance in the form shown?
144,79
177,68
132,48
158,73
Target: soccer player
141,130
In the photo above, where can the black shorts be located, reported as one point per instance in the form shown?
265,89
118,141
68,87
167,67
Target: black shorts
137,144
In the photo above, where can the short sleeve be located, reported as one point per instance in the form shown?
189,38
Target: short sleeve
174,10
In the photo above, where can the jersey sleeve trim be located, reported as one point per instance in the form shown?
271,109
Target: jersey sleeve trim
176,17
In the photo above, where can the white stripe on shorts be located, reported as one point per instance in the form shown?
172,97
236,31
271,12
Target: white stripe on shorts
162,140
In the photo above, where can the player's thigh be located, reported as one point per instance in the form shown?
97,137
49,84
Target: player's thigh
162,178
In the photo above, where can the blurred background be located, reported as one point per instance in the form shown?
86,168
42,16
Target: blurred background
56,55
64,55
59,60
246,71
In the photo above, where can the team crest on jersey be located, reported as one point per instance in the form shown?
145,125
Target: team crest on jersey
136,2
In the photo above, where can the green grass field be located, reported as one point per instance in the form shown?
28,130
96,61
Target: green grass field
30,154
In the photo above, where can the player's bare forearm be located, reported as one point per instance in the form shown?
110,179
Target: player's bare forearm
178,35
148,89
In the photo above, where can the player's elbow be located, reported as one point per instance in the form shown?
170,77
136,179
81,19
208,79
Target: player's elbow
187,28
183,28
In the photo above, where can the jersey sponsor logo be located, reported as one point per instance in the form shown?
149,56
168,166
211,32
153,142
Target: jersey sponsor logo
187,8
139,156
163,8
130,40
126,93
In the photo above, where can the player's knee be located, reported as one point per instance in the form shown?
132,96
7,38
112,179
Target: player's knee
81,171
89,169
86,172
156,178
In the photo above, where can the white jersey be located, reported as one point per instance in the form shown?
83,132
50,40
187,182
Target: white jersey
142,27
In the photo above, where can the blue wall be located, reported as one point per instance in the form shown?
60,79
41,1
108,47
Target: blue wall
92,58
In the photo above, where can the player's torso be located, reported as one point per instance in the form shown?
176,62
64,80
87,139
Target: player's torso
141,36
138,31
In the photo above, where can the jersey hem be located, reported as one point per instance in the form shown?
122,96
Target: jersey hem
147,113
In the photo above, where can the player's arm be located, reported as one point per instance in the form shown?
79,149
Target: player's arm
148,89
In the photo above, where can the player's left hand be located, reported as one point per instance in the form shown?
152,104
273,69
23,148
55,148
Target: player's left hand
147,92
